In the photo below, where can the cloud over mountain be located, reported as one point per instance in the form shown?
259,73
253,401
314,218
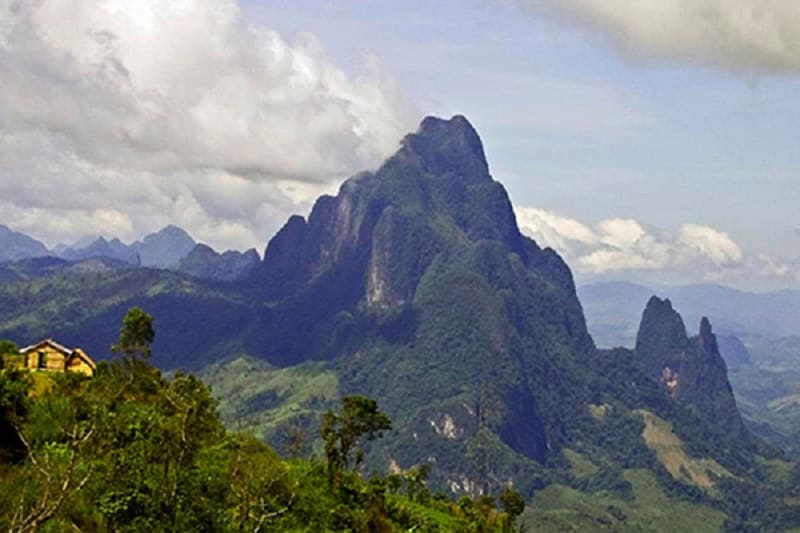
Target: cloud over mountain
745,36
179,108
621,246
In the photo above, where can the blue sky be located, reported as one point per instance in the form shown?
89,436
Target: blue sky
650,141
571,126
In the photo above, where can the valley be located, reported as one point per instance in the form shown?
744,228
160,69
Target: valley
414,286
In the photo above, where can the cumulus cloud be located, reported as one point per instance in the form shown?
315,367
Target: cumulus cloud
620,246
717,246
177,112
748,36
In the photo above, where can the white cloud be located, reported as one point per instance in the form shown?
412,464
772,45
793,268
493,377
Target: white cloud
554,230
748,36
710,243
617,246
178,112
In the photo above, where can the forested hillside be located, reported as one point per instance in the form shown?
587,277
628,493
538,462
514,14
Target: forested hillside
414,286
131,450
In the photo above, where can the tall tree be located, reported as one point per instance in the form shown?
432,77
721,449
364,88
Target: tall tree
136,334
343,433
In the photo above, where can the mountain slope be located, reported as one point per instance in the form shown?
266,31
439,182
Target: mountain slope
204,263
15,246
100,247
165,248
414,286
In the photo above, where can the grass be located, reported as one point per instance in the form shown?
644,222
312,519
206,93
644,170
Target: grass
777,470
258,398
580,466
561,508
670,451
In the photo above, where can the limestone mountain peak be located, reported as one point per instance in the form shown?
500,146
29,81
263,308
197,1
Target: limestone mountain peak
691,370
447,145
661,331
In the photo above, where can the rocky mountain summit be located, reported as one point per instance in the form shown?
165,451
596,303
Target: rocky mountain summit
690,369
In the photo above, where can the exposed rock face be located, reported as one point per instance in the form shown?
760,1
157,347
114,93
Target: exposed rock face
420,271
15,246
391,223
165,248
691,370
204,263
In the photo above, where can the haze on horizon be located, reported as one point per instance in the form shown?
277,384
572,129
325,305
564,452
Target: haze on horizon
653,142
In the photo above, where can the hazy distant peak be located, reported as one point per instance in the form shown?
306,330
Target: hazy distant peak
15,245
164,248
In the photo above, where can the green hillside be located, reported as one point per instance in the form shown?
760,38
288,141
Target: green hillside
129,450
414,286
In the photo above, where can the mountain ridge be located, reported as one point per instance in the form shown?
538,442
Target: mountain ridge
413,285
15,246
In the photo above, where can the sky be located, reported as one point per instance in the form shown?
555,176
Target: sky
651,141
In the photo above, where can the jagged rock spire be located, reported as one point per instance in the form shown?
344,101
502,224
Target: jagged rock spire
691,370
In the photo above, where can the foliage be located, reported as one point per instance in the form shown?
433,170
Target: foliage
136,334
513,506
344,432
8,347
131,450
14,389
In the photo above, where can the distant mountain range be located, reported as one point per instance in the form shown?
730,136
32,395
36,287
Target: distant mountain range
413,285
15,246
758,337
613,310
170,248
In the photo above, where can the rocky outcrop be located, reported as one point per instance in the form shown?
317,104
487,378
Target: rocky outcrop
691,370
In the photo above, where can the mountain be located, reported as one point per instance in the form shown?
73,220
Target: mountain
418,273
15,246
612,310
414,286
757,343
204,263
734,351
691,370
165,248
49,266
100,247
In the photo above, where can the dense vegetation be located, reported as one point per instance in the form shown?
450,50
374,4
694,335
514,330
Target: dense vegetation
130,450
413,286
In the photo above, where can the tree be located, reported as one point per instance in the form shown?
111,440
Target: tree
513,504
7,347
343,433
14,388
136,334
